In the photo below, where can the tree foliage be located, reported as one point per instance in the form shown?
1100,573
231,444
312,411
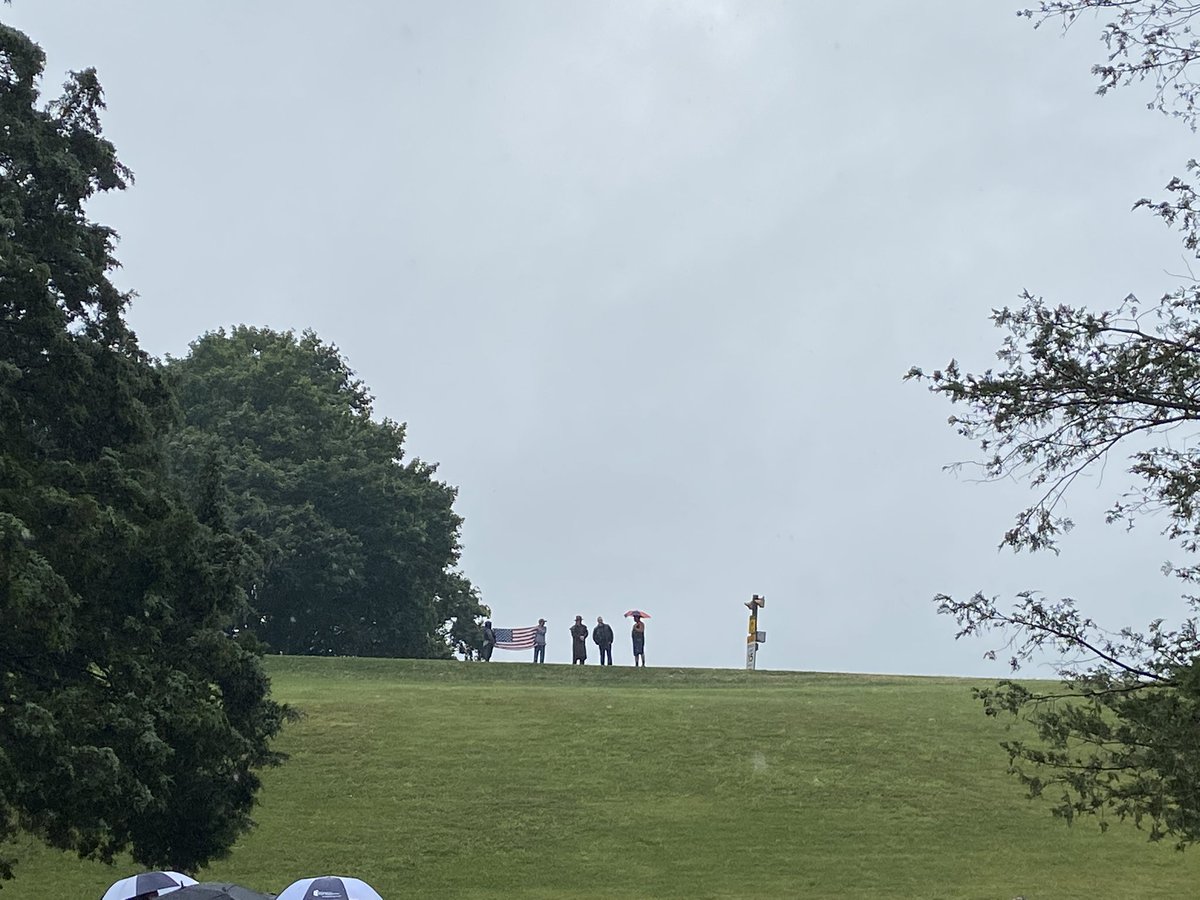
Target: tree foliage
1074,389
360,546
128,719
1146,40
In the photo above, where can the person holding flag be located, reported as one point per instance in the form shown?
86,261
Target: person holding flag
539,642
489,642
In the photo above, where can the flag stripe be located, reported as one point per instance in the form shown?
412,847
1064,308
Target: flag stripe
514,638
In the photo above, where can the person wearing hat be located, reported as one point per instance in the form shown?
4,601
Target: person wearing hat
579,636
539,642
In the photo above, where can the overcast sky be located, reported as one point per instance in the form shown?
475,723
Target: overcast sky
644,279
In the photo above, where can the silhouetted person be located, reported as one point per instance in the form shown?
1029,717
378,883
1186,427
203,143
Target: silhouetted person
639,641
603,636
489,642
539,642
579,636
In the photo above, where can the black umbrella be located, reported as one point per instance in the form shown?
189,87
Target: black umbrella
218,890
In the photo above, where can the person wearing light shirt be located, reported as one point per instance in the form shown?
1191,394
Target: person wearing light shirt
539,642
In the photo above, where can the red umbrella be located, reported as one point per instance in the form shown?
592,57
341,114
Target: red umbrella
639,613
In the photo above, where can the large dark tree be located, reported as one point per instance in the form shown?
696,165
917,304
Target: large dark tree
1074,389
128,719
360,546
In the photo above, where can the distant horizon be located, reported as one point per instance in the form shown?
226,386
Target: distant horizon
591,663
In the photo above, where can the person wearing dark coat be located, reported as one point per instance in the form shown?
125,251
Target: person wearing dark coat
579,636
489,642
603,636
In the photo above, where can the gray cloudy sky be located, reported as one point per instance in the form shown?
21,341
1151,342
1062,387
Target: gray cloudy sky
644,277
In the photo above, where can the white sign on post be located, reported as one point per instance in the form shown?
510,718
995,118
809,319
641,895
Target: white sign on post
751,653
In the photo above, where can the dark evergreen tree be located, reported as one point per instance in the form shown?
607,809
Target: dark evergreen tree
128,718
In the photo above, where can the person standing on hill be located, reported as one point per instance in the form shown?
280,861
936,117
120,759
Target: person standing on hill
539,642
489,642
579,636
639,641
603,636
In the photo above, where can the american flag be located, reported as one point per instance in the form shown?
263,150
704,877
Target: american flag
514,638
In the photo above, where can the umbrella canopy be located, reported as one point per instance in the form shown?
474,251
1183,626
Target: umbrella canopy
147,883
219,890
329,887
641,614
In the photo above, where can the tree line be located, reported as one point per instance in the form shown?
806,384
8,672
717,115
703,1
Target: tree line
164,524
356,548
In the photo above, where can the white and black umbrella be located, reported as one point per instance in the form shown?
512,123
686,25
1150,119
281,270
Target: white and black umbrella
147,883
329,887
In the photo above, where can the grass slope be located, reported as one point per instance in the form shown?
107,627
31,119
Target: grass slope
446,779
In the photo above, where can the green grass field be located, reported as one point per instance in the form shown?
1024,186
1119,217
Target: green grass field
447,779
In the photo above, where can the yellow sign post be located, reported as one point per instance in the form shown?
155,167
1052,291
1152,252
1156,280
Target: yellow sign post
754,637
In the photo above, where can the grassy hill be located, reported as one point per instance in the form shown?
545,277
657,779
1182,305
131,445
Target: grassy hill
446,779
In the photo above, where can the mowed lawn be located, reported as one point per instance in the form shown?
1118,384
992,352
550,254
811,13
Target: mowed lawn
448,779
